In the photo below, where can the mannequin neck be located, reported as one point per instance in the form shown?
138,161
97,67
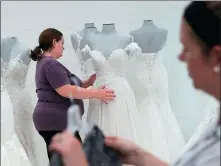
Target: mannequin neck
148,23
91,30
88,25
108,28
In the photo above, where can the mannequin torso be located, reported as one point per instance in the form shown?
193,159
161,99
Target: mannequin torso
88,33
6,47
149,37
75,37
109,40
17,49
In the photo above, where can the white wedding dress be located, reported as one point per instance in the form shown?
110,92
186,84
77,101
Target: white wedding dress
117,118
148,78
22,105
12,152
86,66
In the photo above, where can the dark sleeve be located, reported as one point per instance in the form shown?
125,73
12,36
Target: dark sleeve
56,75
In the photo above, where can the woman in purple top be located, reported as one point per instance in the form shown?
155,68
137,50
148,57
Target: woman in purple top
54,85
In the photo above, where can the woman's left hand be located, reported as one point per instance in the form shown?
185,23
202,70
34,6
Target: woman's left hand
90,81
70,149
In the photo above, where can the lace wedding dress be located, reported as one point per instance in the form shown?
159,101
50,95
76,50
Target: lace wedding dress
30,88
118,117
22,106
12,152
86,67
148,78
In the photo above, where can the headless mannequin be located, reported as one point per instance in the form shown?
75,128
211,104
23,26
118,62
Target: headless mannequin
88,33
109,40
75,37
86,26
149,37
6,47
19,48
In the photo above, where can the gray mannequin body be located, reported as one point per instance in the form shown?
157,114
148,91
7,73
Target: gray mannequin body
7,45
19,48
88,33
109,40
75,37
149,37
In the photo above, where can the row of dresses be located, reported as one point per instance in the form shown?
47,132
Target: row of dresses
141,111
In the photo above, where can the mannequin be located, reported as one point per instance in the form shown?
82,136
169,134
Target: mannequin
149,37
86,26
75,38
109,40
7,45
89,32
148,78
21,101
12,152
17,49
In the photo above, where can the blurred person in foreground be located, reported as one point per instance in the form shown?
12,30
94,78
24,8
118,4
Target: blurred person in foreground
200,37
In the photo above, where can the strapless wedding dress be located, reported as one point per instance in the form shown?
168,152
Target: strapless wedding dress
119,116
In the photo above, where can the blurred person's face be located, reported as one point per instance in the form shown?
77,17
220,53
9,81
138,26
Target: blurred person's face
200,64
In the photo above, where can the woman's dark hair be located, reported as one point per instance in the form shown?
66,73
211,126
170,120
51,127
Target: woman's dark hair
45,42
204,20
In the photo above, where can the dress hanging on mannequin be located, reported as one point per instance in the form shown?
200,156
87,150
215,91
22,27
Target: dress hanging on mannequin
23,109
148,77
118,116
12,152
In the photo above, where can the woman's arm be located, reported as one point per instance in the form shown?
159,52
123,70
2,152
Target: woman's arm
60,82
86,84
146,159
89,82
78,92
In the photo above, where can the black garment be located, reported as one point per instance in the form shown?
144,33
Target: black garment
48,135
97,153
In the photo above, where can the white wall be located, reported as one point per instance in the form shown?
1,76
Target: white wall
27,19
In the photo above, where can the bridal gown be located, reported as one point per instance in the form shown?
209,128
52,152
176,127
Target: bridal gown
22,105
148,77
12,152
86,66
30,87
118,117
86,70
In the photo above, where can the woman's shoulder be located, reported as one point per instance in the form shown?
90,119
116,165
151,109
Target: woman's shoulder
49,62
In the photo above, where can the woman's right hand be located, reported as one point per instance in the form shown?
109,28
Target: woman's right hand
128,152
131,154
105,94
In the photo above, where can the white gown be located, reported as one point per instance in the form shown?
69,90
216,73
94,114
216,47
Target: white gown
148,78
12,152
86,70
117,118
30,87
22,105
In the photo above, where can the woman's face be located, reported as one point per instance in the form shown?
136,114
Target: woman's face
58,48
200,66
